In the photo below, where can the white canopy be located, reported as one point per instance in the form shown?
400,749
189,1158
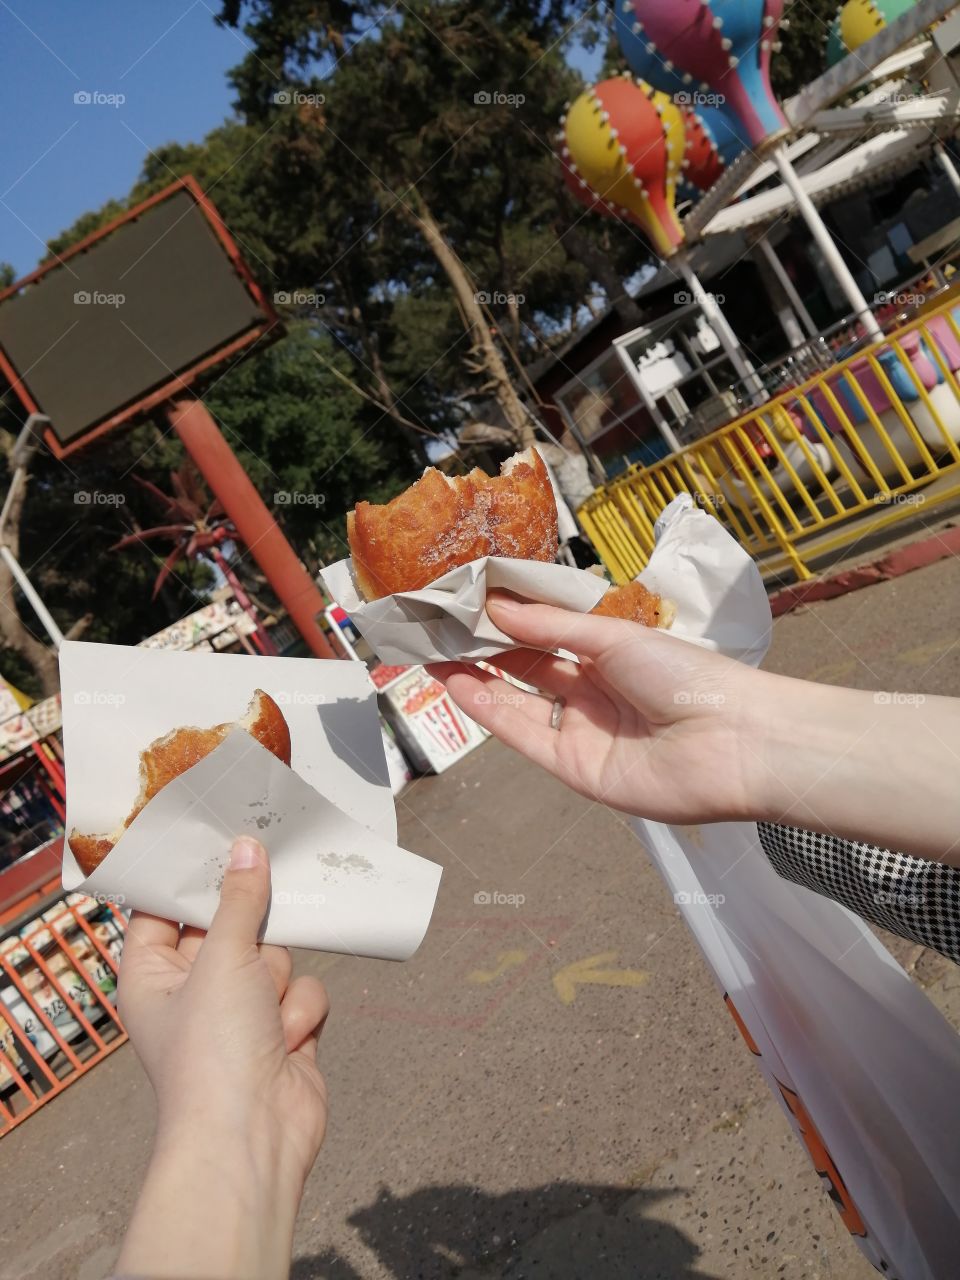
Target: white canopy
897,149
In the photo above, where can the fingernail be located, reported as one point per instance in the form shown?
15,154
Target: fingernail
245,854
506,603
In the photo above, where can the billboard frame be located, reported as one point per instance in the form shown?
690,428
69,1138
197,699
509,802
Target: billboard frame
179,383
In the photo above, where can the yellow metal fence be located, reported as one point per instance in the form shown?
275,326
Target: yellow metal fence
850,451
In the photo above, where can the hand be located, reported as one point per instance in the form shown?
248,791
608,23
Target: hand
651,725
670,731
229,1044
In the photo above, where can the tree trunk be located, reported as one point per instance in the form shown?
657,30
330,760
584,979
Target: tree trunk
581,248
384,390
484,348
16,633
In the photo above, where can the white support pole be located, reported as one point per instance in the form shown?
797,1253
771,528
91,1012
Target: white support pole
948,167
718,322
659,421
818,230
789,288
39,608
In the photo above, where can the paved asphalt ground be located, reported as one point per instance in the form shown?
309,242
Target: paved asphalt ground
491,1116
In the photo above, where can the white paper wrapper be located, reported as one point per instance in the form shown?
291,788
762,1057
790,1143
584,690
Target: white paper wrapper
340,882
447,619
719,595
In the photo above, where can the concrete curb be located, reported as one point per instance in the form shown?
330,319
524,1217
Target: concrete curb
915,555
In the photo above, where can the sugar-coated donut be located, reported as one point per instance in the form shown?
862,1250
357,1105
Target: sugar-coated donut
167,757
442,522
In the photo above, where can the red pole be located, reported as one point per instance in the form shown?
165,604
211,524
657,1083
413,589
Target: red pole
256,527
260,637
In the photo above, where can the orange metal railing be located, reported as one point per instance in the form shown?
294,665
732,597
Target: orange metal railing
58,1017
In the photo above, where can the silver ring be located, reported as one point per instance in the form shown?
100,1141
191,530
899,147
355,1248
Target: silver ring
556,713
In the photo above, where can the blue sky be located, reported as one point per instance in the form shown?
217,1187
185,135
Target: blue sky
168,60
61,158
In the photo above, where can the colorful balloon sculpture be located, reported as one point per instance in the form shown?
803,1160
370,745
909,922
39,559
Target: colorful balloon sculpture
622,153
702,161
836,49
723,131
858,21
718,50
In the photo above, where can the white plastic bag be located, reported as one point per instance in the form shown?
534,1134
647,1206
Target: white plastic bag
865,1066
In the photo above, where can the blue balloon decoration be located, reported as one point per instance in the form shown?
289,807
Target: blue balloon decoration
723,131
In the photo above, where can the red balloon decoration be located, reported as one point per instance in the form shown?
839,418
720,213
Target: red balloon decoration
702,162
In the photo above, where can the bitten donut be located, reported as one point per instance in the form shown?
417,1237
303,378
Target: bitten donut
635,603
442,522
167,757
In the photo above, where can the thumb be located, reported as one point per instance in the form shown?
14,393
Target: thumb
244,896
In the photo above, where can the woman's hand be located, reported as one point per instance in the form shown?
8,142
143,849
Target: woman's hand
669,731
650,725
229,1044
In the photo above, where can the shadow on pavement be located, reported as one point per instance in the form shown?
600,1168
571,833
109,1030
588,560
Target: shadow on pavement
566,1231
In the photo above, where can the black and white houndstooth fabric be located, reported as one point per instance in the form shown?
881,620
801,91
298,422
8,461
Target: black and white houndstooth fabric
914,897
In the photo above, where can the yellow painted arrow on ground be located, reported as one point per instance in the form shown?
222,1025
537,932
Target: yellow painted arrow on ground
507,959
584,971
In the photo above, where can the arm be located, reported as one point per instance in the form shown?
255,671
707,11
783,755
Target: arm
871,767
672,732
229,1044
215,1203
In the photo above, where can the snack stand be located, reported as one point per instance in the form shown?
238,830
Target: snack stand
431,730
420,722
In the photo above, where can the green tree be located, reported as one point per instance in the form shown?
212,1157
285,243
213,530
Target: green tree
298,432
803,40
435,143
370,182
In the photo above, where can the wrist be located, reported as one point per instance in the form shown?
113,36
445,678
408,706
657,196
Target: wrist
798,741
219,1125
261,1147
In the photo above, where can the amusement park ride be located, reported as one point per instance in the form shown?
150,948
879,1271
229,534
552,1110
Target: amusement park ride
696,120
